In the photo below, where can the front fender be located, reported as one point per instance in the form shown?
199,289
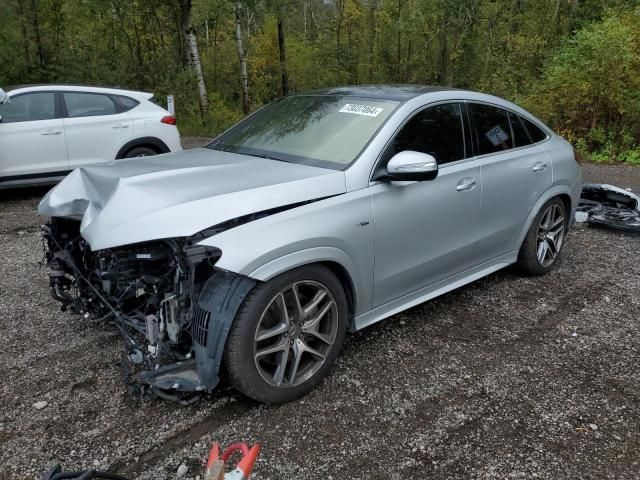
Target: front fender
338,229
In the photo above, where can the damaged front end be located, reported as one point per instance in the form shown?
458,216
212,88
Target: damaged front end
166,297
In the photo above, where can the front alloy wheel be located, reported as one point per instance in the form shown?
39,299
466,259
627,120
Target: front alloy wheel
287,334
295,332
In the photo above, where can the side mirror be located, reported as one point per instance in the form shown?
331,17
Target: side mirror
411,166
4,98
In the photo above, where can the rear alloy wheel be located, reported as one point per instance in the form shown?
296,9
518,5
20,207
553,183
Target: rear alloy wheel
545,238
287,335
550,235
140,152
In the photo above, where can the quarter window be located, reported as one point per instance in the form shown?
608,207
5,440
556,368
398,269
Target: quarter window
29,107
536,133
437,131
492,128
524,131
88,104
126,103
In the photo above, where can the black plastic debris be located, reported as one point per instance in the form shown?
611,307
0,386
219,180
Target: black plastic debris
56,473
609,206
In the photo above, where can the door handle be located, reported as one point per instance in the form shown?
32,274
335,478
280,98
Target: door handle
51,132
121,125
540,167
466,184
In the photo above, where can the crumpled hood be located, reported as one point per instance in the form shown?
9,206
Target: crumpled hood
180,194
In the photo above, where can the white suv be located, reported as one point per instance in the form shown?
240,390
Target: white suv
48,130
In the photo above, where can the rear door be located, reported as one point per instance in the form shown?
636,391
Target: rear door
516,171
32,138
425,231
96,127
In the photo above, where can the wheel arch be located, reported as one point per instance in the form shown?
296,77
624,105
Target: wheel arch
346,281
153,143
566,200
336,260
560,191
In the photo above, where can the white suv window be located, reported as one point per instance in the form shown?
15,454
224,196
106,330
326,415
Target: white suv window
88,104
29,107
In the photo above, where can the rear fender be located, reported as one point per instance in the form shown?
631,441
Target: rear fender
548,195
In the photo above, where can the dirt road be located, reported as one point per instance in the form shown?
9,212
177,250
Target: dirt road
509,377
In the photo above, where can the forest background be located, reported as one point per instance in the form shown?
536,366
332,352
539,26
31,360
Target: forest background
573,63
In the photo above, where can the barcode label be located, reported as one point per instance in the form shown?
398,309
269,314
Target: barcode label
366,110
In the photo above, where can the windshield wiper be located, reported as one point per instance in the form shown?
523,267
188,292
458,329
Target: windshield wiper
217,146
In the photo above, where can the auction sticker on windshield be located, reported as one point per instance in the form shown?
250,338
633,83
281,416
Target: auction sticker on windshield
366,110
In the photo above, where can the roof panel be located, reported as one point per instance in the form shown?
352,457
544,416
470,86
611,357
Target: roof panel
387,92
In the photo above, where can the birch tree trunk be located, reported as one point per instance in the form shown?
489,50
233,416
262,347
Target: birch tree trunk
242,56
193,55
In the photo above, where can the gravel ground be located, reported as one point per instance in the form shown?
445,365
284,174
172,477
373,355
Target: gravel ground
509,377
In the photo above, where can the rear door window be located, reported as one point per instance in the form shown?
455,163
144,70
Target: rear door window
29,107
493,132
88,104
436,130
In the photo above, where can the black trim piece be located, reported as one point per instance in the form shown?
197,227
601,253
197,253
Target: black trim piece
221,296
244,219
470,132
30,176
61,109
474,129
151,142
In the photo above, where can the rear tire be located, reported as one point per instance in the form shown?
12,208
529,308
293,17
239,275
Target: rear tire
282,343
140,152
544,241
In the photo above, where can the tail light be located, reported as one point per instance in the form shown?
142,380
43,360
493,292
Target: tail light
169,120
577,156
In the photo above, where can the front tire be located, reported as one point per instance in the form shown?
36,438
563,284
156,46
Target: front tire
287,335
544,241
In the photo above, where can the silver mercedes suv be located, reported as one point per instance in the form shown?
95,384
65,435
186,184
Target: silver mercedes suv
322,212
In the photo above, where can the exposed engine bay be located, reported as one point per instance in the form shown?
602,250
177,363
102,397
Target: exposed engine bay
149,292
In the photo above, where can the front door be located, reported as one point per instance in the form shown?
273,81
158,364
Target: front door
32,139
425,231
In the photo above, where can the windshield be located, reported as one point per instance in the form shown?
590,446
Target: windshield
320,130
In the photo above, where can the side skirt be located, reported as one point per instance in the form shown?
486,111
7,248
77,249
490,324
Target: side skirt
433,291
